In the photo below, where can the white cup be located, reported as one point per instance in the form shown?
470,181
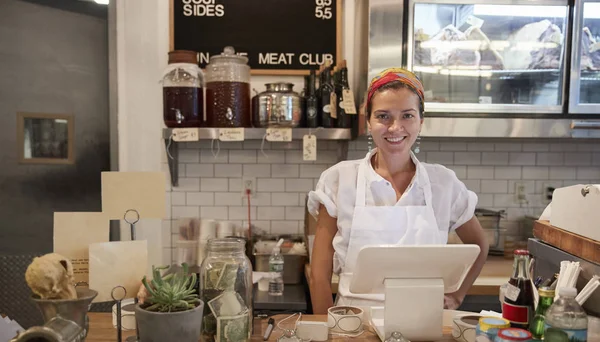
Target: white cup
340,321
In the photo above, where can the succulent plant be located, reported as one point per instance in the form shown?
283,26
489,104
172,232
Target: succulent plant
172,292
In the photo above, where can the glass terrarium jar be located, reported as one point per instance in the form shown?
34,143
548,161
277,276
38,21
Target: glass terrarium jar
183,90
228,89
226,290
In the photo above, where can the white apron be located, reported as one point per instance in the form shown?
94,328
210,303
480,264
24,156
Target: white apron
385,225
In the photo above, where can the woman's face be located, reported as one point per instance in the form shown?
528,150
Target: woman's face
395,122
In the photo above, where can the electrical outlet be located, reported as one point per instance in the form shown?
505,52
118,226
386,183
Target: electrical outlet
520,192
547,192
249,183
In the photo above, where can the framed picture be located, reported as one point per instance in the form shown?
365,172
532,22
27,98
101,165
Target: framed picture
45,138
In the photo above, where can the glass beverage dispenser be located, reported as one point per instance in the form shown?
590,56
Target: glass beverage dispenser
183,88
228,89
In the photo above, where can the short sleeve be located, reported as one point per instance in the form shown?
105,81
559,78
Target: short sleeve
325,193
464,202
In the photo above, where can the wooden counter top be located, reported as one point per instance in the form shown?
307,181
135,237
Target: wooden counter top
101,329
495,272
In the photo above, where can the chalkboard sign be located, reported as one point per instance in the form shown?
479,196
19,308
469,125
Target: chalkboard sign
279,37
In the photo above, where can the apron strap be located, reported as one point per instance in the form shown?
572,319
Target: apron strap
361,185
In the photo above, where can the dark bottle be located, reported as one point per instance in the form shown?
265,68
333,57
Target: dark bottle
312,102
518,299
344,118
328,100
537,326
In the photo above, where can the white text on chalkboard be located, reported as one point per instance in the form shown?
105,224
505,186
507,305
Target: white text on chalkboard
274,58
202,8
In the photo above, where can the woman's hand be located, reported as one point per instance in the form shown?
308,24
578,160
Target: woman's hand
452,301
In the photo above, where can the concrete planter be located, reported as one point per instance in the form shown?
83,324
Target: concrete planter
181,326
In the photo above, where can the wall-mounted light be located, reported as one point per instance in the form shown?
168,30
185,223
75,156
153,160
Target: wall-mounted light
102,2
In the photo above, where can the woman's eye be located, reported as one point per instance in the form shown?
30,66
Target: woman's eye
382,116
408,116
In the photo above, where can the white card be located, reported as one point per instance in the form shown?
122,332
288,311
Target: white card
512,292
231,134
349,104
309,147
279,134
185,134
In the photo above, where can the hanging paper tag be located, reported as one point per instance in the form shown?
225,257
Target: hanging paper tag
474,21
231,134
185,134
349,104
309,147
485,99
333,105
279,134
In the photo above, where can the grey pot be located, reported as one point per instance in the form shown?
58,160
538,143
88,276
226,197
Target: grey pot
182,326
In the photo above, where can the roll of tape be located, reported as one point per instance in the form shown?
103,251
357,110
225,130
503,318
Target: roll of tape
127,315
464,328
345,319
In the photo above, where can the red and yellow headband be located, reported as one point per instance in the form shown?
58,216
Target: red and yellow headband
396,74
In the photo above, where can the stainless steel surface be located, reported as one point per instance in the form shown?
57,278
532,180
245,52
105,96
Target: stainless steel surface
385,35
259,133
278,106
590,124
293,269
547,262
574,92
473,107
293,299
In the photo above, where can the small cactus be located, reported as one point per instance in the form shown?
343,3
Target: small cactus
171,293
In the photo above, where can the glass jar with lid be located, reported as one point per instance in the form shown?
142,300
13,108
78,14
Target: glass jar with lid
183,90
226,290
228,87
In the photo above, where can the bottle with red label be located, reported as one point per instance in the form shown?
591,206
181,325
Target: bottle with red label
518,305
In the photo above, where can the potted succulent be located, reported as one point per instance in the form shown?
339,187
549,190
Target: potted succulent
171,311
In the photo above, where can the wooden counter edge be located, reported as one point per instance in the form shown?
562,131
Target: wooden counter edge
569,242
102,330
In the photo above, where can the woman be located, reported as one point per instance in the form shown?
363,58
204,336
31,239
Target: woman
389,197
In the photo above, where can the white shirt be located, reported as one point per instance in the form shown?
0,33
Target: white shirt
453,204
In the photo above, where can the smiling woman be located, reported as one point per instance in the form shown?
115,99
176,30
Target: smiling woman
389,197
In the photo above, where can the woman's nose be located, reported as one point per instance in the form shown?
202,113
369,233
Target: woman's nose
396,126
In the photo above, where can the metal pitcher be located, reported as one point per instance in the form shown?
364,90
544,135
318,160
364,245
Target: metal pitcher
278,106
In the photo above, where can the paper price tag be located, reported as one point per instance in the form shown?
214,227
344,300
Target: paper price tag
231,134
349,104
185,134
474,21
309,147
485,99
512,292
279,134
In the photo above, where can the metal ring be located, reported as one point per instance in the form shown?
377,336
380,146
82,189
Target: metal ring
112,293
585,190
136,220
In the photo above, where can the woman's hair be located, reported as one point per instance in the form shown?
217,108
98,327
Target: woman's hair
395,85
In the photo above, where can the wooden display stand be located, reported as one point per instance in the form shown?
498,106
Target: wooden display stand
580,246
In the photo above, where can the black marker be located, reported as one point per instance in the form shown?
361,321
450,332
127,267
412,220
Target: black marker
270,325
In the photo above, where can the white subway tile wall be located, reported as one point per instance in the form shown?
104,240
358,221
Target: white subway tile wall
210,183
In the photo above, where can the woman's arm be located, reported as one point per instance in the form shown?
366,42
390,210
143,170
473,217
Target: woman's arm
322,263
469,233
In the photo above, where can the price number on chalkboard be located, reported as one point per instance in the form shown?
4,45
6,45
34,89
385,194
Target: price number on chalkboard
323,9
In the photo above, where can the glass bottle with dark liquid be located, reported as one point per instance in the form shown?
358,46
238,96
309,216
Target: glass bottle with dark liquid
518,305
312,103
183,100
328,102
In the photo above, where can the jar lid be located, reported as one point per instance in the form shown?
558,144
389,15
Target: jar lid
521,252
514,334
183,56
229,55
487,323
